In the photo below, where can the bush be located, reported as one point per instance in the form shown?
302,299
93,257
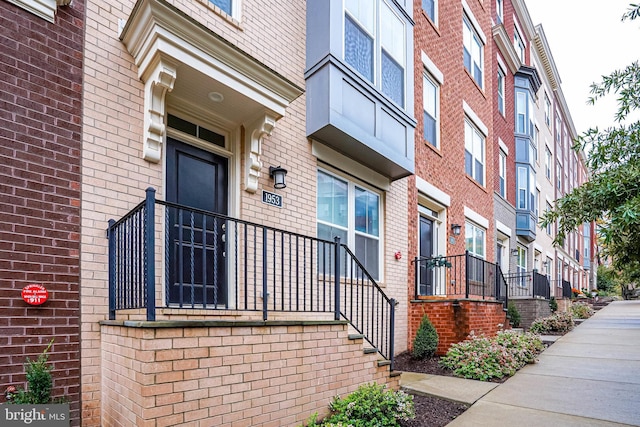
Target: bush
513,314
371,405
581,311
482,358
556,323
553,304
39,381
426,340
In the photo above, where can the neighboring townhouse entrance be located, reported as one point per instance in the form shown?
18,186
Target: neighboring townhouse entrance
426,251
197,246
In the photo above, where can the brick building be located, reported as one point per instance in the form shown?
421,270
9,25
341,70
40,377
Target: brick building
197,161
40,154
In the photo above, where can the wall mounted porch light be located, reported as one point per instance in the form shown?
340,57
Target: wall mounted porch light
278,173
514,252
456,229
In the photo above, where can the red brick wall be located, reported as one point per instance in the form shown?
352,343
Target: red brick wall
444,167
40,140
454,320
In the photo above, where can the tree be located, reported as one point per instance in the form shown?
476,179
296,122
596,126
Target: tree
612,195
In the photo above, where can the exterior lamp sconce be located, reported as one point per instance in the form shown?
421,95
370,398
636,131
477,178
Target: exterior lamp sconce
514,252
455,229
278,174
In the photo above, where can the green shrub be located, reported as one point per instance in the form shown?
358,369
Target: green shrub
513,314
556,323
581,311
482,358
39,381
553,304
426,340
370,405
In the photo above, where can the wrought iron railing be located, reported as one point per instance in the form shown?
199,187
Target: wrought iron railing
459,276
215,262
566,289
528,285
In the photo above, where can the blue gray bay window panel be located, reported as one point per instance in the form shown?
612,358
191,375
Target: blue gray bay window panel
359,81
527,83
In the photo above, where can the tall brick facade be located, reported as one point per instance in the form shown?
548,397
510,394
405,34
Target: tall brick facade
40,152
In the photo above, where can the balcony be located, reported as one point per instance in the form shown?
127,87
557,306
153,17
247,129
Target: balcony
528,285
459,276
217,265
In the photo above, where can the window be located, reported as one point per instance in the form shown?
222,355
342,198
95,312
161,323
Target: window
372,33
559,176
547,110
518,44
547,162
523,190
549,228
500,11
225,5
503,174
537,203
429,7
474,239
473,51
536,143
524,115
474,152
430,100
45,9
501,90
352,212
522,262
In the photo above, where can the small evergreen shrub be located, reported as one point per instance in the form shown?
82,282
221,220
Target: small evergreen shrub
371,405
553,304
513,314
39,382
556,323
581,311
482,358
426,340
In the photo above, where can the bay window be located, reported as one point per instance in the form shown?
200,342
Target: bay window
375,45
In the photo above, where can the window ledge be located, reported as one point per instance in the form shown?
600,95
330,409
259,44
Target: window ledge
45,9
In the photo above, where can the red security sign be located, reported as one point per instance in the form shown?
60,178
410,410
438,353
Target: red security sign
35,294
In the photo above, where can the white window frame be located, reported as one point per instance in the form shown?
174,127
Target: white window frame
502,168
473,41
521,262
45,9
379,47
547,110
235,8
427,78
433,18
500,11
548,159
471,231
351,226
518,44
549,228
474,144
502,77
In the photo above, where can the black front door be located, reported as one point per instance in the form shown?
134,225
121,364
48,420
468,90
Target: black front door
426,251
196,239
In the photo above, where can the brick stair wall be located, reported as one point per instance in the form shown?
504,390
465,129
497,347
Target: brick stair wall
262,375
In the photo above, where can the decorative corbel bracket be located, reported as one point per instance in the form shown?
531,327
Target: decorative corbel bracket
159,82
254,133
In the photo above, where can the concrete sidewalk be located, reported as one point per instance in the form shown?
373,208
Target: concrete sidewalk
589,377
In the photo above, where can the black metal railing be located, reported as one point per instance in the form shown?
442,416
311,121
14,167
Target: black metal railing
528,285
566,289
459,275
216,262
